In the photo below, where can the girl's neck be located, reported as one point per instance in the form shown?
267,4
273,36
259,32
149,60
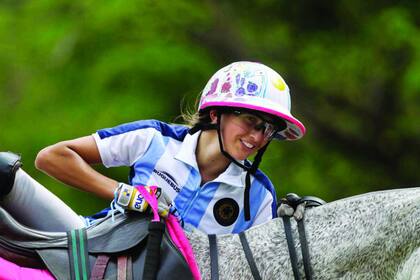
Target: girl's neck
210,160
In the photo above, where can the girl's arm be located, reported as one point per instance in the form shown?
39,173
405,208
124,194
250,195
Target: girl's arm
69,162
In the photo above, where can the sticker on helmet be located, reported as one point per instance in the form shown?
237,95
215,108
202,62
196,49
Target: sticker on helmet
213,87
279,84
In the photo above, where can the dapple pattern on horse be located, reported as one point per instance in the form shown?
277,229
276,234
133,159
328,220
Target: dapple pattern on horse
369,236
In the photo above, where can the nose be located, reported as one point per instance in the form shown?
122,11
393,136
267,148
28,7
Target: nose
257,135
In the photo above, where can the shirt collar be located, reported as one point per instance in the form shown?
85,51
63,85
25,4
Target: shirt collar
186,153
233,175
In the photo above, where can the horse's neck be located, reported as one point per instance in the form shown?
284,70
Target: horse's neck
371,232
267,243
366,236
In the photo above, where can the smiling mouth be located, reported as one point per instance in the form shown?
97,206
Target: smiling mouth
248,145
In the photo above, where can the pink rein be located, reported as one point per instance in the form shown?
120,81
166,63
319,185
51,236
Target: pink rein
175,231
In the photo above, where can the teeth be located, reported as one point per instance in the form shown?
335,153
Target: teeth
248,145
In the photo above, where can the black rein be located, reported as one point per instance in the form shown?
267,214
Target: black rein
292,200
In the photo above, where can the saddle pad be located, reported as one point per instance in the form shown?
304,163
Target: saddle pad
172,265
125,236
106,236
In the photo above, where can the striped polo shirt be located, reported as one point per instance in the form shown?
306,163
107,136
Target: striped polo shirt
163,155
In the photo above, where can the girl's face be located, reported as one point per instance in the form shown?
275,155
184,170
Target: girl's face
244,134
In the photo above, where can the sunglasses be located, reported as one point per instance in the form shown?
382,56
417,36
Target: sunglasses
253,121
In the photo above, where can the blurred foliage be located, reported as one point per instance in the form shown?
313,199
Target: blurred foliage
68,68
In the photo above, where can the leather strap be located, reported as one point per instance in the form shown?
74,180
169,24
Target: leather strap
78,254
291,246
122,263
305,250
98,270
249,256
152,260
129,268
247,207
214,263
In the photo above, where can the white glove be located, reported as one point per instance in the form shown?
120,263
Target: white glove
287,210
128,197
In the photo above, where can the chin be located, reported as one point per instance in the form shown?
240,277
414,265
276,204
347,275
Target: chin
241,157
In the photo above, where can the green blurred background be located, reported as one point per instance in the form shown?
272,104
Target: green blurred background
68,68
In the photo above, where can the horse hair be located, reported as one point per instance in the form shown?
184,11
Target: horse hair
369,236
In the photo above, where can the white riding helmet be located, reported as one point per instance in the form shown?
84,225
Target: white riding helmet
253,86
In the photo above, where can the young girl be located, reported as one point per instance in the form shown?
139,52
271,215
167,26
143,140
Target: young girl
201,167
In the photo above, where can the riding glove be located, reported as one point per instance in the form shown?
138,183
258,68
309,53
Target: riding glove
128,197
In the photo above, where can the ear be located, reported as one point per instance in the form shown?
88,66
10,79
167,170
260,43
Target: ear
213,116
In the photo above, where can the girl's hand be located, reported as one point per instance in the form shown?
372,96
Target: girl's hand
128,197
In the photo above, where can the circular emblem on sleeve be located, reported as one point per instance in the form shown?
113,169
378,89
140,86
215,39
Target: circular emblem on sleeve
226,211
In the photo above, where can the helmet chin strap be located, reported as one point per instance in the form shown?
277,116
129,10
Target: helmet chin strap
226,154
250,169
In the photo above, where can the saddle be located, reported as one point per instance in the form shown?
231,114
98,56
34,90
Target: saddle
106,250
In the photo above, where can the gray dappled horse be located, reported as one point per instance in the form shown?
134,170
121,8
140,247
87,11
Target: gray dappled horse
369,236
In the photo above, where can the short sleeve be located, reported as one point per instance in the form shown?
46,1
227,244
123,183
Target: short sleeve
123,149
